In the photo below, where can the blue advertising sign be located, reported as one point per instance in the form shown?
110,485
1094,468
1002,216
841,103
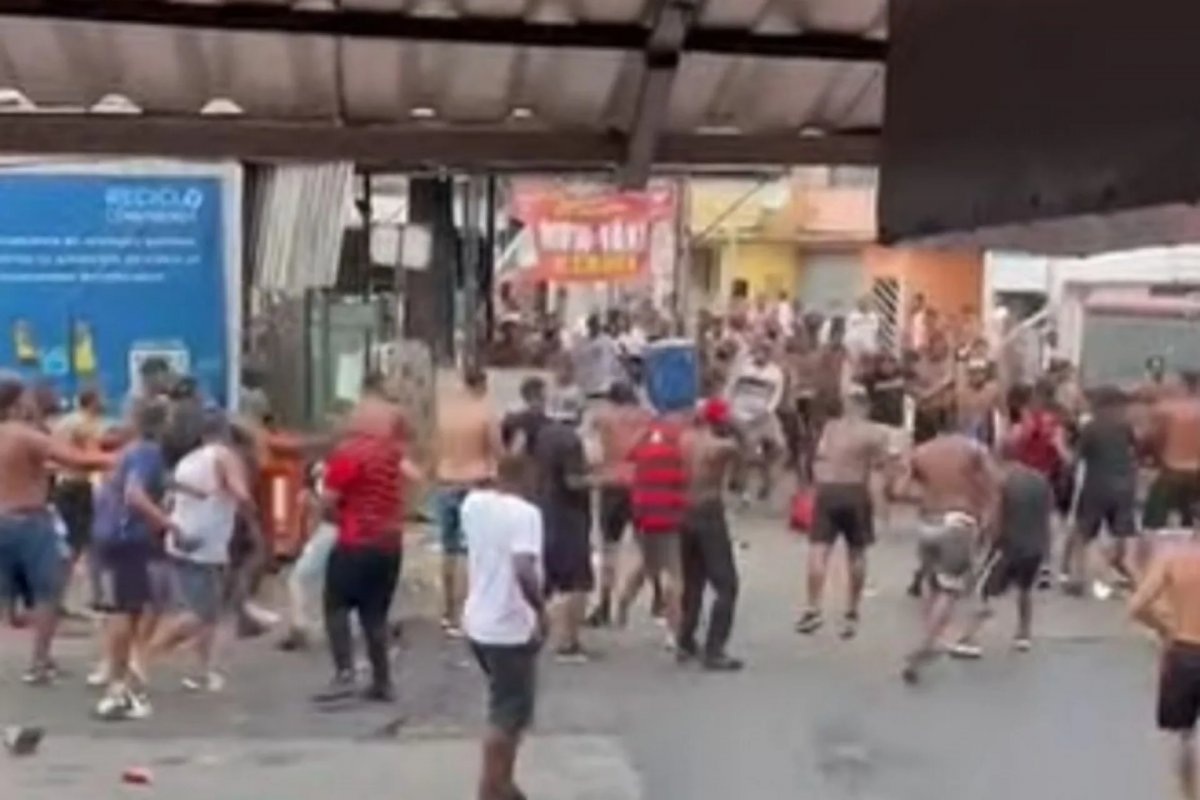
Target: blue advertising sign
99,272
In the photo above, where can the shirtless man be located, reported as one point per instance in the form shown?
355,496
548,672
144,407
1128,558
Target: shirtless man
1175,435
29,546
933,383
978,399
468,445
710,448
1168,602
851,446
956,482
803,363
619,425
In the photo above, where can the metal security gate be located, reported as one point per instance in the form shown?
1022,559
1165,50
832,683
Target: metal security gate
831,281
885,299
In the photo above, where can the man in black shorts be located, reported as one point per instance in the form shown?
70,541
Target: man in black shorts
1022,528
1176,438
850,447
503,617
619,424
564,496
1168,602
1108,495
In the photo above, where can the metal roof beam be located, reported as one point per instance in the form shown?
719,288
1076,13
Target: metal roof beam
660,67
407,146
379,24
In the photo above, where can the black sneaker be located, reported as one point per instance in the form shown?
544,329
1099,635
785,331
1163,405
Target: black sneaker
379,693
810,622
685,652
296,641
601,616
340,688
248,628
723,663
849,625
910,674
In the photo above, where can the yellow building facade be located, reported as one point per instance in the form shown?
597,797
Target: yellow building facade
812,241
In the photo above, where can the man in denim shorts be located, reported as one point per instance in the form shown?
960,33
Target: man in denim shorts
29,543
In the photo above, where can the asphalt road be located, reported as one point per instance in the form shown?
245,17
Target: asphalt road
810,717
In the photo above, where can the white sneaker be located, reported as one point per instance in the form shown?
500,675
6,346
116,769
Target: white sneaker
99,677
263,616
137,706
1022,645
111,707
122,704
213,682
965,650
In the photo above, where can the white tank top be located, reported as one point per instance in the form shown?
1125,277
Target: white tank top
210,519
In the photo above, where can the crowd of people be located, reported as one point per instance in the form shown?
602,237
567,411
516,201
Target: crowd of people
1005,471
167,539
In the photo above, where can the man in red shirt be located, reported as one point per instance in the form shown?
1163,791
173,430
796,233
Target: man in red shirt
659,497
364,482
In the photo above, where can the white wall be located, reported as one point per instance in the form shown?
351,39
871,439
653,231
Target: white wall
1067,280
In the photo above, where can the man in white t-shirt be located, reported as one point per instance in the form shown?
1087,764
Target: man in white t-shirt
755,392
503,615
213,489
862,330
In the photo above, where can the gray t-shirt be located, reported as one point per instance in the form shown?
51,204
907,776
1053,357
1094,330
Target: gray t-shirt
1026,506
597,364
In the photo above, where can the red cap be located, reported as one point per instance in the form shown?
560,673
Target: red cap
714,411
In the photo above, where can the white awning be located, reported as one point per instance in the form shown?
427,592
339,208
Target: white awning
406,83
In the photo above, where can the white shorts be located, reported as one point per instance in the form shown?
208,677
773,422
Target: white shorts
310,566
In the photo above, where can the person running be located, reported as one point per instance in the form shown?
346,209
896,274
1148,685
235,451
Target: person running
309,570
1175,441
199,555
29,546
1167,601
619,424
954,477
503,617
710,448
468,442
364,478
1107,452
564,496
129,528
851,448
1021,527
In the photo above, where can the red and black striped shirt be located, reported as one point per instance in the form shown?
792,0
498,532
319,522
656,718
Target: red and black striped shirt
659,490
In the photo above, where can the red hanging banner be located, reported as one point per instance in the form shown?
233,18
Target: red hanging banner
590,234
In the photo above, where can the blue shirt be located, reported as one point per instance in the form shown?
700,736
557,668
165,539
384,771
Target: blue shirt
143,464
